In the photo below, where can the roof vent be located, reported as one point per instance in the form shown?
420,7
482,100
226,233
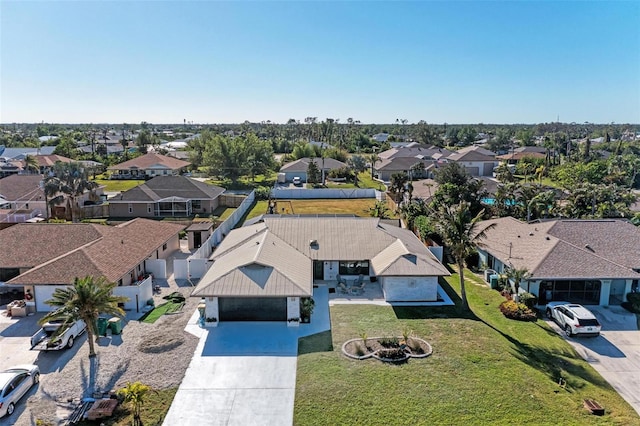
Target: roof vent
313,242
588,247
531,234
548,238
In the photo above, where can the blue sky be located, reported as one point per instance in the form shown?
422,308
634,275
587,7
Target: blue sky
224,62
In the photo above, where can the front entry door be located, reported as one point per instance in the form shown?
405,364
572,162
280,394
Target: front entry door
318,270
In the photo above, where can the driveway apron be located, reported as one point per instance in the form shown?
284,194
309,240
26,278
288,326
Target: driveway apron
615,354
241,374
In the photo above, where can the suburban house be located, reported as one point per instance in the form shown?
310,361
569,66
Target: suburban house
124,254
414,167
166,196
260,271
592,262
476,160
148,166
47,162
19,153
9,167
23,198
418,151
298,168
532,152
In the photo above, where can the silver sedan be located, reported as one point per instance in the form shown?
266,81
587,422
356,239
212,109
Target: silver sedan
14,384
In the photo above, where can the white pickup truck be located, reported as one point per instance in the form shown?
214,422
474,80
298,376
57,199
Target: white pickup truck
48,338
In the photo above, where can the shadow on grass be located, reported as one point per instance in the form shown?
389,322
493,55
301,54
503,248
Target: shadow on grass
430,312
559,366
319,342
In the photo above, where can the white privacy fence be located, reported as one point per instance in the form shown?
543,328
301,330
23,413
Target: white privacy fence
197,264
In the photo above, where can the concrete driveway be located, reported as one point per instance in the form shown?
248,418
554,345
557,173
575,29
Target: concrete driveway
244,373
241,373
616,353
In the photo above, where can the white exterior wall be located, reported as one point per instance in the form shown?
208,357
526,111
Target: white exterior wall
409,289
44,293
157,267
479,165
211,308
293,310
137,294
605,289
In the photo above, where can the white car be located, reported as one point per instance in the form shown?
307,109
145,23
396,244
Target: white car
297,181
14,383
574,319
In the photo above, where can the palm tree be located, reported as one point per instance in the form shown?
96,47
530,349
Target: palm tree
517,275
72,180
133,394
51,187
459,231
85,300
31,163
373,159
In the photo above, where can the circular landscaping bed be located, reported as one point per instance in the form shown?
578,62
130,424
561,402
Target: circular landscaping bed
387,349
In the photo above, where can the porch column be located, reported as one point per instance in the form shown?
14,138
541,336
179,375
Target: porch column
605,289
293,311
211,309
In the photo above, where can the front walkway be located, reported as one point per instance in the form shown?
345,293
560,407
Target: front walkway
244,373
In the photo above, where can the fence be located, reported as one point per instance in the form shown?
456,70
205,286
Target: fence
231,200
302,193
183,267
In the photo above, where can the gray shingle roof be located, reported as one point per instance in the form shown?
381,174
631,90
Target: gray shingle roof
21,187
162,187
567,248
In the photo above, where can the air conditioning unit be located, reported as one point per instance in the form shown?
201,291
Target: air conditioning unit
488,273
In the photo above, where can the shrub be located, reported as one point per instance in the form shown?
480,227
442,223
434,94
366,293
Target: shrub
390,342
529,299
518,311
392,353
634,299
262,192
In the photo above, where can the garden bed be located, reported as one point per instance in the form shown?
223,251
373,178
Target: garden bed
387,349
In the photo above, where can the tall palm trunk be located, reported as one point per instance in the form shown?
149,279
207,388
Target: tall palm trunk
92,350
463,292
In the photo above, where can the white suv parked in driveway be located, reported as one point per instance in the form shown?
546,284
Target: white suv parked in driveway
574,319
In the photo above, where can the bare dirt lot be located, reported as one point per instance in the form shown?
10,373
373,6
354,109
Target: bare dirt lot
156,354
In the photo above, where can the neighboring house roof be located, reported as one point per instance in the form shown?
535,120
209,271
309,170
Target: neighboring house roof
21,188
163,187
51,160
78,250
414,151
473,153
565,249
302,164
284,247
151,161
401,163
524,152
21,152
424,188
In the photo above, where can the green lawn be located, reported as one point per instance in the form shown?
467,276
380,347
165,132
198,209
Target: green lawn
485,369
245,182
223,212
357,206
118,185
165,308
364,182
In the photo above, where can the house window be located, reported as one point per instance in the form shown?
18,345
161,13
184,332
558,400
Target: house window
26,206
354,267
130,208
149,208
196,204
164,246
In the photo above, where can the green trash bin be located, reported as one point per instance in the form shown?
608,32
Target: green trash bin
102,325
115,324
